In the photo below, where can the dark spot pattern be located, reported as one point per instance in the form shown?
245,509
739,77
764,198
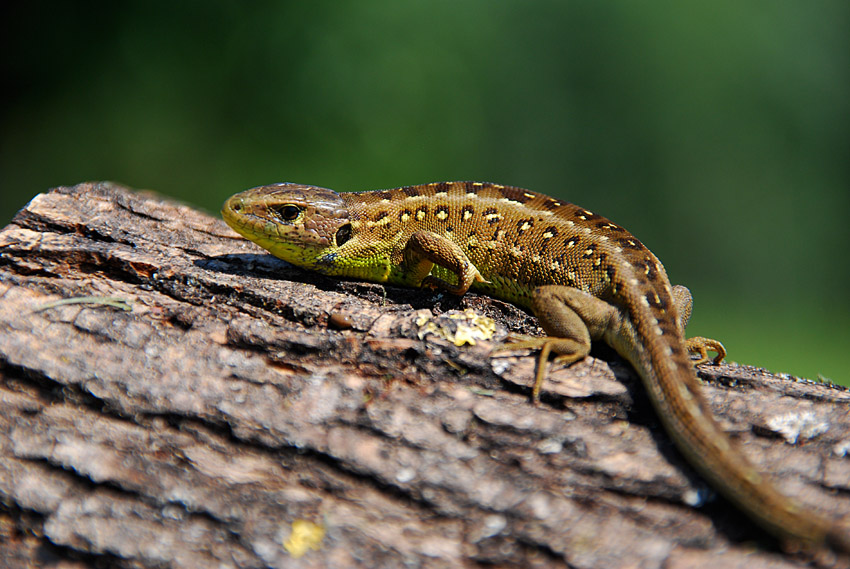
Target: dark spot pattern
654,300
516,194
551,204
586,215
524,225
492,215
608,226
649,270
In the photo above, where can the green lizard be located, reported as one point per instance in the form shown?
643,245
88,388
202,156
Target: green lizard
584,277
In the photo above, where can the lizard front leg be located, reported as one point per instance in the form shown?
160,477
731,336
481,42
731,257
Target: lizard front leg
425,249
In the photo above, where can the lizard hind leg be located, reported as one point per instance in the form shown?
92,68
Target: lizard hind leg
568,351
696,345
570,317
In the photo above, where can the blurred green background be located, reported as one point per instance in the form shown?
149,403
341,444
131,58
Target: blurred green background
717,132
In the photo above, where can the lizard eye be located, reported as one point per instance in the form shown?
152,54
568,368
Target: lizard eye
287,212
343,234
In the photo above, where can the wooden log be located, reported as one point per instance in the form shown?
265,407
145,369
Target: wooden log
245,413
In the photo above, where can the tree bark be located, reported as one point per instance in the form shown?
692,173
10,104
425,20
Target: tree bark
245,413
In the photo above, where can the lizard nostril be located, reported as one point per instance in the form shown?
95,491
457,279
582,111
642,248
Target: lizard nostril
233,204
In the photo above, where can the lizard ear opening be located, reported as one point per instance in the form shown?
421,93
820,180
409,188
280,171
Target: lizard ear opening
343,234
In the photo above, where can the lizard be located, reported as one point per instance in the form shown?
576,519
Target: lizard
584,277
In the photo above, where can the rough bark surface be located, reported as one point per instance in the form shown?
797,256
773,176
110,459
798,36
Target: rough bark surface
241,395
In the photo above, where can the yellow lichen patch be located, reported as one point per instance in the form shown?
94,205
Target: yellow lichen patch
459,328
305,535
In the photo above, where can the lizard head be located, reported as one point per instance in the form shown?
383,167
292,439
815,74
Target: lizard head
299,224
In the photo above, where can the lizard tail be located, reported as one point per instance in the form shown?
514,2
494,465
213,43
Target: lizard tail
670,379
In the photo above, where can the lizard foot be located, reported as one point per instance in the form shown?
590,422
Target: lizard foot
701,346
568,351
